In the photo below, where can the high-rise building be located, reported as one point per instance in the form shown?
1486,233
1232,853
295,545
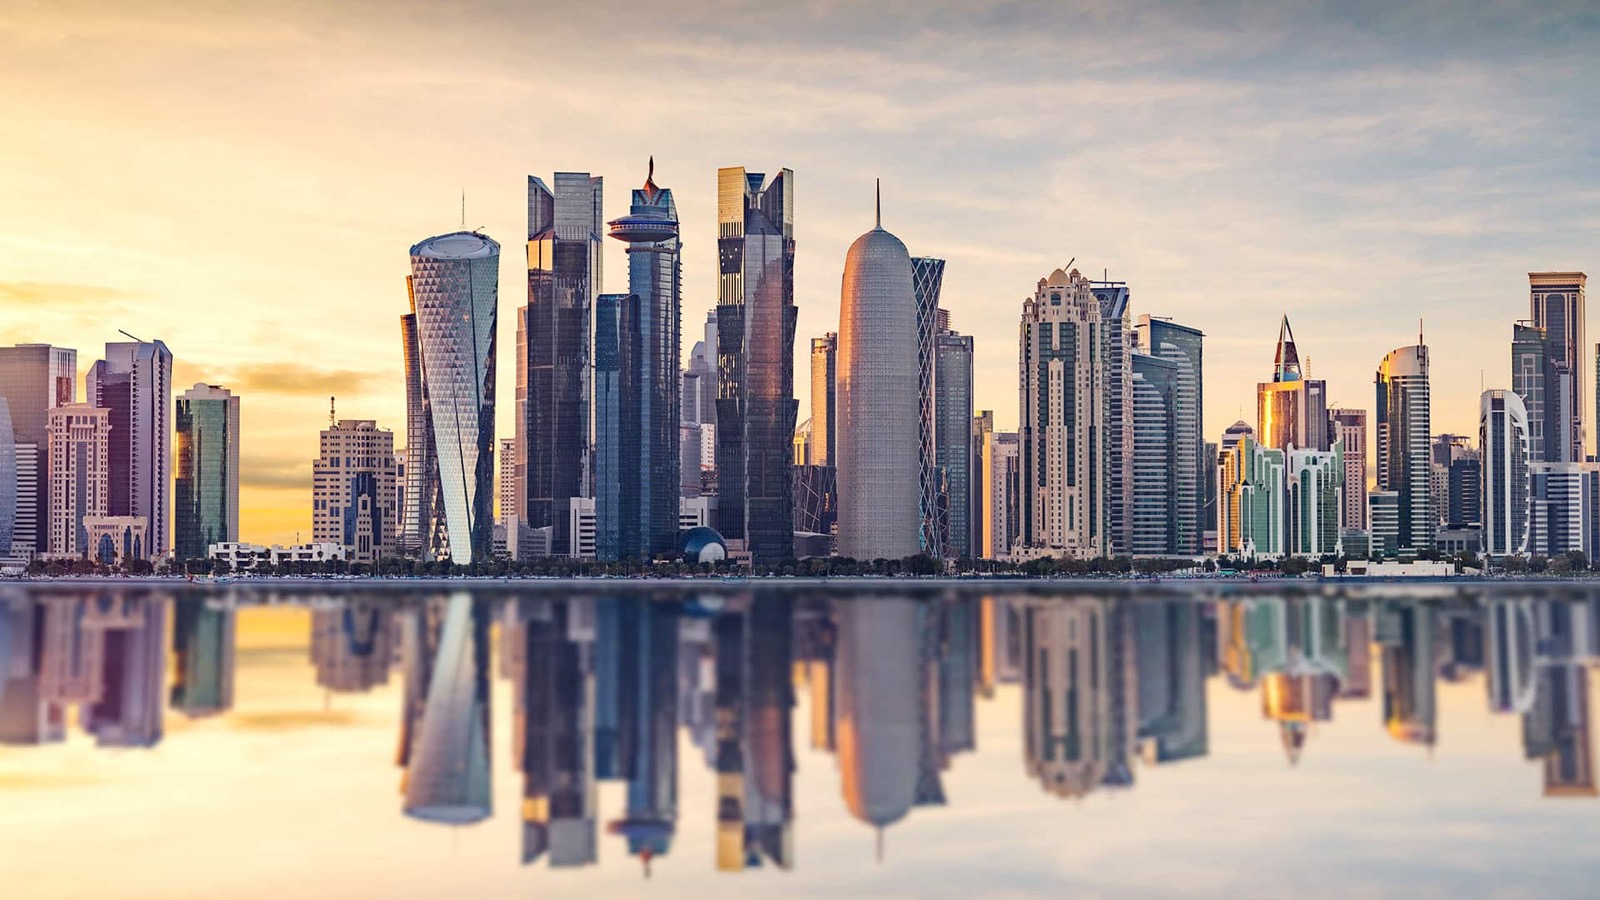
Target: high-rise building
1383,511
205,491
699,414
1556,496
1503,441
616,434
932,498
1350,426
1116,428
1291,410
877,465
824,415
134,382
353,498
554,399
9,483
1458,481
952,442
756,315
79,438
998,508
1404,427
1155,523
505,485
649,367
1063,402
1183,346
1544,382
1316,498
33,379
455,284
1556,301
1251,490
421,514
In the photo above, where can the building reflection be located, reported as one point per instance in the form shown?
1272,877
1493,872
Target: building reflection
631,687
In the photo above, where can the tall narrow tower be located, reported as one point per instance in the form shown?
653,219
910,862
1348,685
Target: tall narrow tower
756,315
1403,419
1556,300
877,393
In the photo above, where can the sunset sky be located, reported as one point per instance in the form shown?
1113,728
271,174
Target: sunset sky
243,180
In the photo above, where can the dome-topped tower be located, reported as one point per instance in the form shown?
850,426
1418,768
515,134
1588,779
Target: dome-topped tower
876,396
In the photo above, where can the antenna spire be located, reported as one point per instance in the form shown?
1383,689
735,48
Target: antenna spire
877,188
463,209
332,420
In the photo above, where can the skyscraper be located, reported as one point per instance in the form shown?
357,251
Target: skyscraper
1556,300
650,367
1155,521
1350,426
616,434
80,478
205,491
1291,410
878,466
1182,345
756,407
134,382
1403,418
34,378
505,486
455,283
554,397
927,278
422,518
9,482
824,415
1544,382
1458,480
1315,481
353,496
1251,490
952,442
1063,401
1116,427
1503,441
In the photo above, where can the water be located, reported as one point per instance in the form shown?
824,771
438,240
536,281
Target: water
260,743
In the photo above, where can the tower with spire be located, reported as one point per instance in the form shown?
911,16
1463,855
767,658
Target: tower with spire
1292,408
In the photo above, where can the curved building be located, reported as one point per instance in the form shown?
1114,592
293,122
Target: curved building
1503,436
454,284
877,686
878,468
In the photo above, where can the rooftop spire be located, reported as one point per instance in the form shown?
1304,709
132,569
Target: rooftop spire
650,188
1286,365
877,187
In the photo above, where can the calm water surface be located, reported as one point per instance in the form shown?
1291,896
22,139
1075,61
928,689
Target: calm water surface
260,743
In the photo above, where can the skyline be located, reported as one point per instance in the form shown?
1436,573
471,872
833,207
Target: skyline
1424,178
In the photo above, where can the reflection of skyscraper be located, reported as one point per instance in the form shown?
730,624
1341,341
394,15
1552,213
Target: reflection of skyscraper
1409,710
1556,730
352,645
203,647
448,776
129,711
876,695
455,282
652,810
1171,679
756,408
1510,646
27,715
554,691
1068,712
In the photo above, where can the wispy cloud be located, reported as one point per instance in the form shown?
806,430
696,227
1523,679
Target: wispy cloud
303,381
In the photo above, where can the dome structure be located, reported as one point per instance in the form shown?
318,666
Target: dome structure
703,545
877,401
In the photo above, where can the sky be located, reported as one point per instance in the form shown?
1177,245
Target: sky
243,180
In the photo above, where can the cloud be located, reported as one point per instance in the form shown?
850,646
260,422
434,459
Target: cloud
274,473
59,294
303,381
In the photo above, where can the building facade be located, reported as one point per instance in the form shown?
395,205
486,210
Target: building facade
1556,301
927,275
34,378
1251,522
1503,440
354,503
455,285
1544,382
650,354
952,443
824,407
1184,347
205,490
1316,487
1350,427
999,508
79,437
1291,410
756,316
1403,418
1116,428
1063,387
554,343
878,468
134,383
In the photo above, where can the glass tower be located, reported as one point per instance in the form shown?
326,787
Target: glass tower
927,281
1503,443
1405,463
1556,301
33,379
650,349
1291,410
756,315
134,382
455,281
953,442
553,351
205,492
1184,346
1116,435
